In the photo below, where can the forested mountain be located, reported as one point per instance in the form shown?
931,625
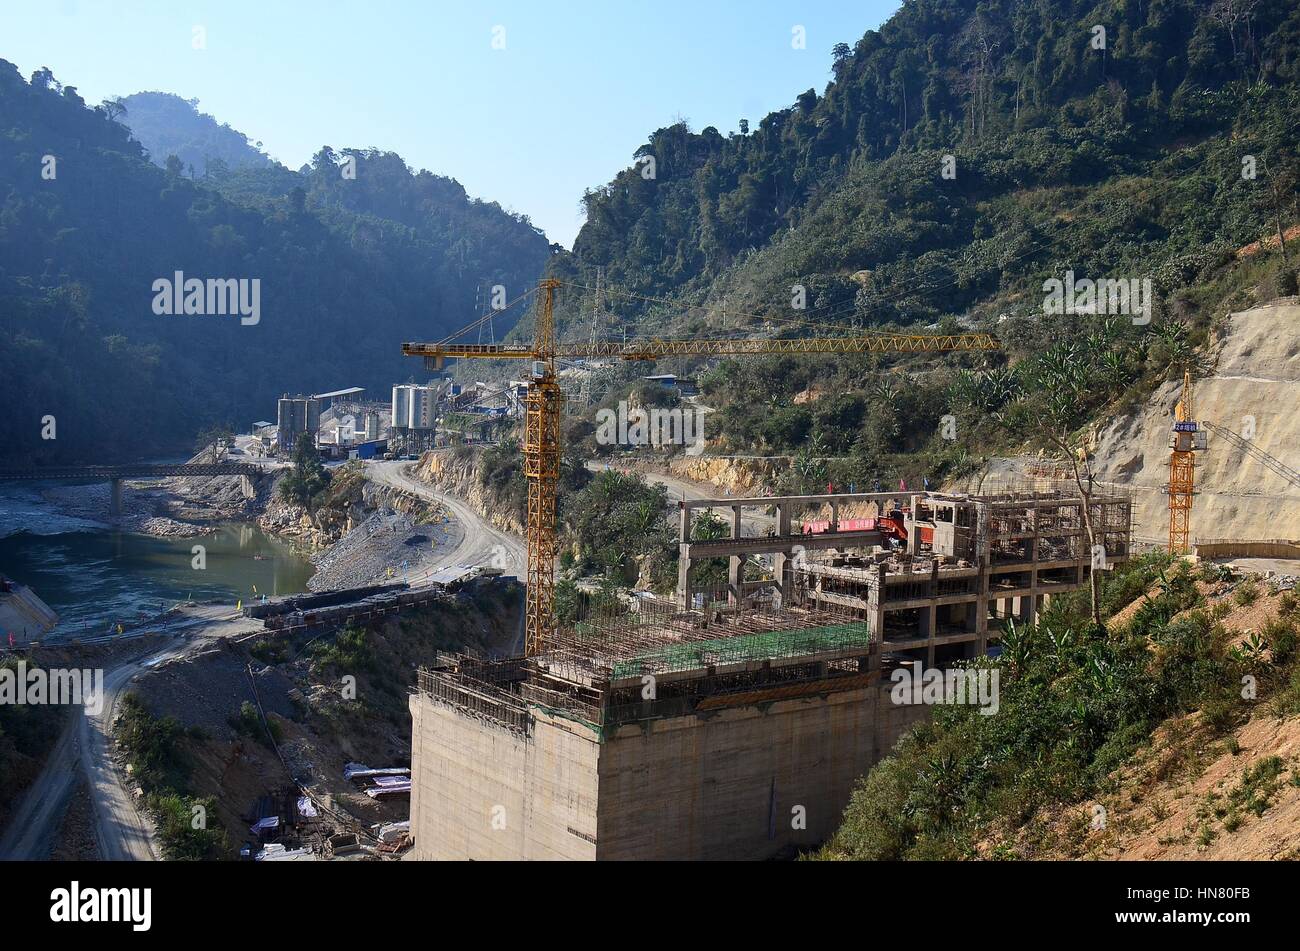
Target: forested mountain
348,269
960,156
165,124
852,179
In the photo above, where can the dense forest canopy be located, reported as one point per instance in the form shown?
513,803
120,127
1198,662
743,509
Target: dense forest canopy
354,254
959,157
1021,97
166,125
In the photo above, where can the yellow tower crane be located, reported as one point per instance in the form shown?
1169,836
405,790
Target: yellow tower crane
544,406
1187,439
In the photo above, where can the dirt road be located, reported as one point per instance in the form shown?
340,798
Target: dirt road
83,748
121,831
479,544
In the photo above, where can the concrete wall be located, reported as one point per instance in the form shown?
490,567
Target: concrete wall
480,791
24,615
1277,548
723,786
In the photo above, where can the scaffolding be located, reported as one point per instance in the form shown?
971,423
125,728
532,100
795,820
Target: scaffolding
478,689
745,648
661,638
593,673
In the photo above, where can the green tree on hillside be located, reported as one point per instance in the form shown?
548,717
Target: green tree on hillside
308,477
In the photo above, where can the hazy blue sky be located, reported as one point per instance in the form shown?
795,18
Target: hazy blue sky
578,87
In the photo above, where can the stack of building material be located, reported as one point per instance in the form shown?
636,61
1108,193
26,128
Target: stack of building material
389,786
343,843
380,783
275,852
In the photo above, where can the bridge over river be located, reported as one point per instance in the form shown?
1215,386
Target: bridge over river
116,474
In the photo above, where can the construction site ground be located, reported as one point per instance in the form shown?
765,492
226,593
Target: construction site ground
321,729
1262,566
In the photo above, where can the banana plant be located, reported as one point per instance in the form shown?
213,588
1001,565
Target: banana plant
1018,644
1061,640
1099,672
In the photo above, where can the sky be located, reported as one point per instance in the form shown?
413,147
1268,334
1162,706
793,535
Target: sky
524,103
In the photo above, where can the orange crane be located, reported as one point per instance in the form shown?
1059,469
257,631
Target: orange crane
544,405
1187,439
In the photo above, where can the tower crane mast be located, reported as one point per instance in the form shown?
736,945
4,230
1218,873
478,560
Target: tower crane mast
544,407
1186,440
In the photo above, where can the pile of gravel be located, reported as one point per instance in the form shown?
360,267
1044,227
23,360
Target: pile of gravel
384,540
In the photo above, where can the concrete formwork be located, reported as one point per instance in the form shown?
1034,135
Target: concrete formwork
975,560
782,544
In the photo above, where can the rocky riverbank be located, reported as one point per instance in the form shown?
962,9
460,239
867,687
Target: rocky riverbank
361,532
355,531
171,508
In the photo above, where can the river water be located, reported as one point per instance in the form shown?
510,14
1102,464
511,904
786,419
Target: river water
97,577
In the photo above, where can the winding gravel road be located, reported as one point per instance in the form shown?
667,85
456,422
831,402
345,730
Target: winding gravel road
121,832
480,543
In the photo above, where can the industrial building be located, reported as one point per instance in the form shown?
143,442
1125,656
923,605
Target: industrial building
351,428
930,570
415,416
735,726
414,406
671,381
296,417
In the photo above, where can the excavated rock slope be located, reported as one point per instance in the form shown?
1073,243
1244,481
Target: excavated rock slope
460,478
1256,377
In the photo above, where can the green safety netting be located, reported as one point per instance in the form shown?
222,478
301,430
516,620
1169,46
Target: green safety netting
746,647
